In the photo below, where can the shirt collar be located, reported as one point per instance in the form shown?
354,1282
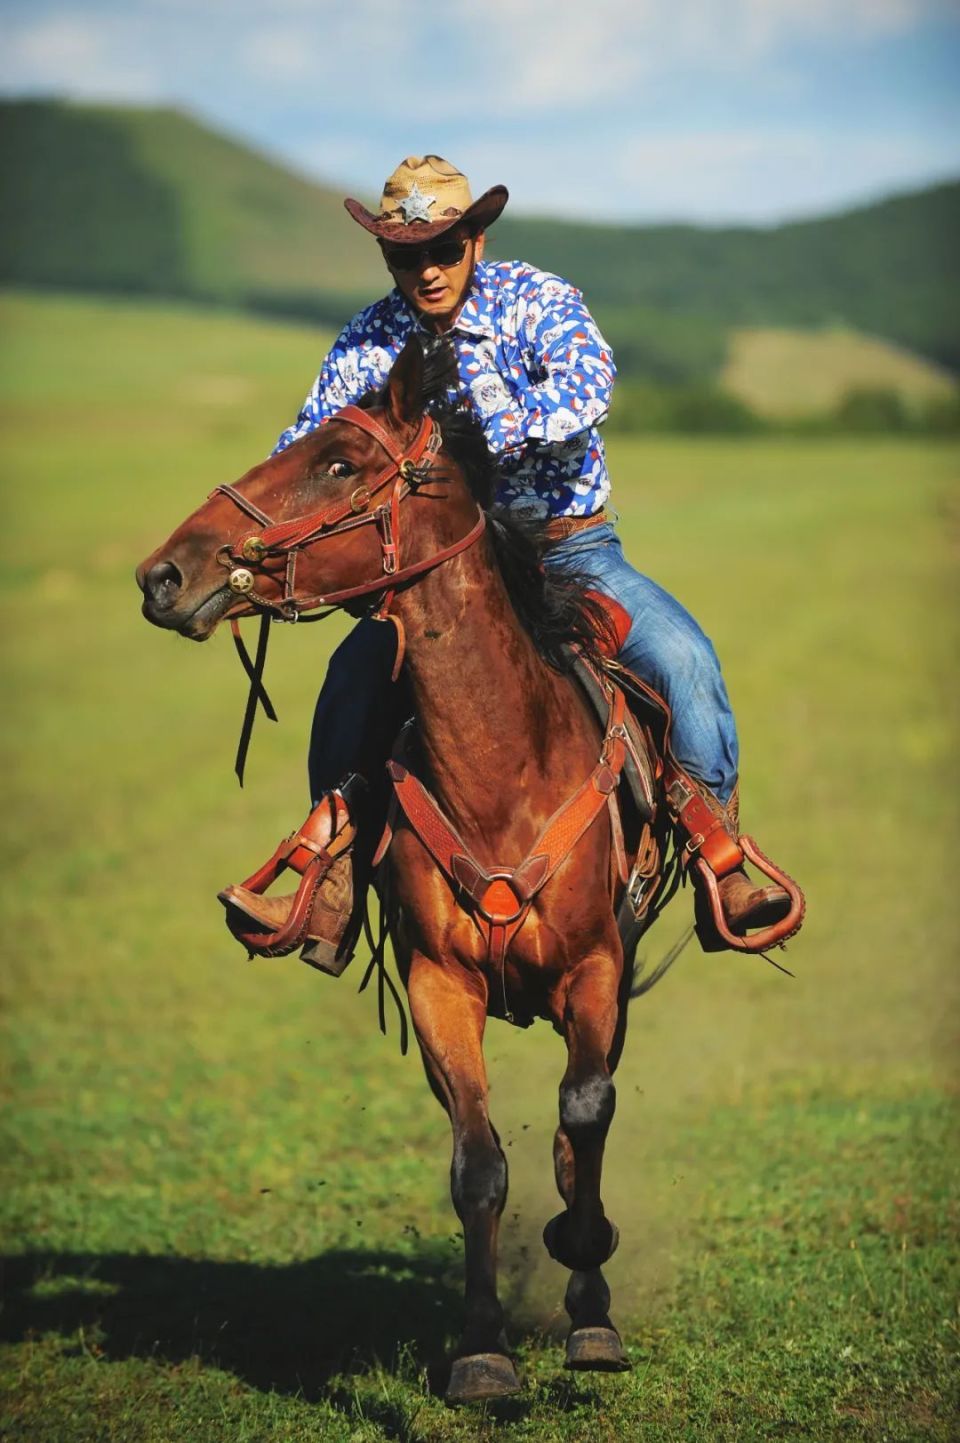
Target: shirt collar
476,314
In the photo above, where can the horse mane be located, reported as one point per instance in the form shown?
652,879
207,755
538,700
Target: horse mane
552,604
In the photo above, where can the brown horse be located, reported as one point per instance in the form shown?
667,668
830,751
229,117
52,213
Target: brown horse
504,739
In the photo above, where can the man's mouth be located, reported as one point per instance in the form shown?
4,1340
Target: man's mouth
433,293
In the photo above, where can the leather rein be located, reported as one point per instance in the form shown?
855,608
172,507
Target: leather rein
282,542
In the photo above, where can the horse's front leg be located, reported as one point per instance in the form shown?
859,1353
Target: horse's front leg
448,1008
582,1238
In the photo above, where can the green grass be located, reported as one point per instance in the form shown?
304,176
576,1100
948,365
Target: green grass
224,1196
794,373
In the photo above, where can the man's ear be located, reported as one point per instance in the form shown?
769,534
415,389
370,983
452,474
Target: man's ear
479,242
405,384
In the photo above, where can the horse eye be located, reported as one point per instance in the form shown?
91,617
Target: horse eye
340,469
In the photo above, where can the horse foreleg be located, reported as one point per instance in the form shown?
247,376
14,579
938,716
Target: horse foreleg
449,1011
583,1237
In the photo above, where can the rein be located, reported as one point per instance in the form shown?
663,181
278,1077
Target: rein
282,541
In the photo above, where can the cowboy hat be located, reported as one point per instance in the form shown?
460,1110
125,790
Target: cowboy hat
424,197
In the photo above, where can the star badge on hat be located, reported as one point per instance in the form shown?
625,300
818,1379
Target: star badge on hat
416,206
411,214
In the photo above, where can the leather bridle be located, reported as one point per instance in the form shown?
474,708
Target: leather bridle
283,541
287,539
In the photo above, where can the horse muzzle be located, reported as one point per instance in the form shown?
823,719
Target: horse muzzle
167,602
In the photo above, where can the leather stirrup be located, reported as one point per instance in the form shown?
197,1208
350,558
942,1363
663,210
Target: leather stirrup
328,833
714,847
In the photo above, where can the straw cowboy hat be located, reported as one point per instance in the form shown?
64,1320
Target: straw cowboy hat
425,196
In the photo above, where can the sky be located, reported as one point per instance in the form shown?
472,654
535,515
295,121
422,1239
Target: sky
713,111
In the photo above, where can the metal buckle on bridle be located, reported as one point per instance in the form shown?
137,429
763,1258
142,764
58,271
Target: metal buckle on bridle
388,545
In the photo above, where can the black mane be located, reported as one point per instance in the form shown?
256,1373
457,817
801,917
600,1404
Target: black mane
551,604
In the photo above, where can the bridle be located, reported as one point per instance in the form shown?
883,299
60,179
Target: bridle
283,541
287,539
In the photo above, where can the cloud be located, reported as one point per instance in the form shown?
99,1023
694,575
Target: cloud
715,176
648,107
79,56
519,53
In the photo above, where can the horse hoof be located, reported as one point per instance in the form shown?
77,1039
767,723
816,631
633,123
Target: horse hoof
481,1376
599,1349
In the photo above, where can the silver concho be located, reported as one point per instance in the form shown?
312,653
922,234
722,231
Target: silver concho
241,580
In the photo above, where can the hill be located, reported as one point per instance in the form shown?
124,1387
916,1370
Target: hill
152,202
789,373
890,269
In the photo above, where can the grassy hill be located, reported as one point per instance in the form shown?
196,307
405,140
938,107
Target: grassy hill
890,269
788,373
152,202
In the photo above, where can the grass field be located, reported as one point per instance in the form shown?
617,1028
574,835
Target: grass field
224,1195
787,373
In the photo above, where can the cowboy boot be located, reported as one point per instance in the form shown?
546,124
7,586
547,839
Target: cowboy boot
711,831
745,905
318,915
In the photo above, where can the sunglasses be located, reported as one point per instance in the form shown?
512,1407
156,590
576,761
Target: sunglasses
411,258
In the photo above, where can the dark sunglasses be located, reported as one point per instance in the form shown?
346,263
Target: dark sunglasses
411,258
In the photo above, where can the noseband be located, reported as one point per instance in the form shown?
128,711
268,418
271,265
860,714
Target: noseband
287,539
281,540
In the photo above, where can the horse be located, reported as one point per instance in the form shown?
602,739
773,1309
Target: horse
389,504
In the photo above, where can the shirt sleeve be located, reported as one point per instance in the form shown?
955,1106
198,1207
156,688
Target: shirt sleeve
346,374
567,381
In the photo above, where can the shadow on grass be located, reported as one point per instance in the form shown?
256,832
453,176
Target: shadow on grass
287,1328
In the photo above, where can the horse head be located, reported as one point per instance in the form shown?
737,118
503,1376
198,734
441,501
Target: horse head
316,524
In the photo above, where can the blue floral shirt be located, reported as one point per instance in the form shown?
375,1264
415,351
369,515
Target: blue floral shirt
535,368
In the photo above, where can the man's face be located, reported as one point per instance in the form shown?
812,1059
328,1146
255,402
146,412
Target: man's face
437,290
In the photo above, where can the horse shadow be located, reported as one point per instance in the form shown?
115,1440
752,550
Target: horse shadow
287,1328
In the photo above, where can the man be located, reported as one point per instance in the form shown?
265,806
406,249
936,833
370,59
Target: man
537,371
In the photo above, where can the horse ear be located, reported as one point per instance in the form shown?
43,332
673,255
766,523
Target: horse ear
405,384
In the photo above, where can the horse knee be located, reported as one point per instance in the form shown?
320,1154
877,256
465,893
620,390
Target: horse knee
478,1177
587,1107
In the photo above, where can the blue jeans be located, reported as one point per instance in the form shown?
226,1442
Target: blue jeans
666,649
359,712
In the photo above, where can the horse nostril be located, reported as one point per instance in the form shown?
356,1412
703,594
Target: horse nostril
162,583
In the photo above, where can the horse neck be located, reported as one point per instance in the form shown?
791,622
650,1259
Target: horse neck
489,710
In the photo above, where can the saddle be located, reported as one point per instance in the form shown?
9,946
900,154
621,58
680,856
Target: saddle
635,773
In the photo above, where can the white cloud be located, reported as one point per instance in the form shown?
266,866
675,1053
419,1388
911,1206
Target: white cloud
83,57
598,108
524,54
714,177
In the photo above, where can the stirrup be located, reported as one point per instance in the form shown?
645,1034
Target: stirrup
328,833
714,848
764,937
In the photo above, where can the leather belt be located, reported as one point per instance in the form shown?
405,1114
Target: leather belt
563,526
